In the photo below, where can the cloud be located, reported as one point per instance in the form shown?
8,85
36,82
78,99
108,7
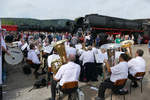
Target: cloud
56,9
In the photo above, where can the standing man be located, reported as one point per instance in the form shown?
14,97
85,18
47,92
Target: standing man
74,40
89,66
135,65
97,41
4,50
119,71
118,40
71,50
67,73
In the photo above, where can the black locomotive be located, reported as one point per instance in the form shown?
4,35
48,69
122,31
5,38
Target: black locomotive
104,25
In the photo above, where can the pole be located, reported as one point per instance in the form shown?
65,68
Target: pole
0,63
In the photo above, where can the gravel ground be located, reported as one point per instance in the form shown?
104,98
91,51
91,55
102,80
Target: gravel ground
18,85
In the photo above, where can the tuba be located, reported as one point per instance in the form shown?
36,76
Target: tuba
127,46
60,48
111,50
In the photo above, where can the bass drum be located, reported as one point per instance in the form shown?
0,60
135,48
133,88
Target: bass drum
15,57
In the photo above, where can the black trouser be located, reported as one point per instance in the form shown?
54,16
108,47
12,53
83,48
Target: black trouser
36,67
90,71
133,79
3,71
82,72
103,86
108,84
1,93
99,68
53,88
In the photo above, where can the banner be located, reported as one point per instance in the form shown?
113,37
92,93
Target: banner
0,55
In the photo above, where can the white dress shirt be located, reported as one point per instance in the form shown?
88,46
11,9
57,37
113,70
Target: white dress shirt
137,64
37,50
87,56
119,71
3,43
117,54
33,57
20,44
80,52
79,49
52,58
67,44
78,46
100,57
71,50
68,72
87,37
95,50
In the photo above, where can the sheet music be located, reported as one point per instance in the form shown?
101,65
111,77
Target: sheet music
48,49
24,46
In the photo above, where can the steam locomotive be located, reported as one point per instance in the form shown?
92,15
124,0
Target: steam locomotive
104,25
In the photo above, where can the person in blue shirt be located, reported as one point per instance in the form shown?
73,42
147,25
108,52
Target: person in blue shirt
97,41
149,45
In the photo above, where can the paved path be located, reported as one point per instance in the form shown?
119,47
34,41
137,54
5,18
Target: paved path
19,84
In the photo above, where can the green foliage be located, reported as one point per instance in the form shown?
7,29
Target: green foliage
34,22
28,23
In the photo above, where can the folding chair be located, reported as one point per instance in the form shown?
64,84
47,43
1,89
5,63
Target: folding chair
119,83
138,77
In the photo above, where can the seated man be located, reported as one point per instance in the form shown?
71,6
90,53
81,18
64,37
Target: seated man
119,71
67,73
32,56
135,65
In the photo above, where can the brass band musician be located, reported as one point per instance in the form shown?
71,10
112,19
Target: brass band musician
119,71
33,59
88,59
67,73
135,65
52,58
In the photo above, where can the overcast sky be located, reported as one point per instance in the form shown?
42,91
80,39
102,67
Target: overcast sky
58,9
